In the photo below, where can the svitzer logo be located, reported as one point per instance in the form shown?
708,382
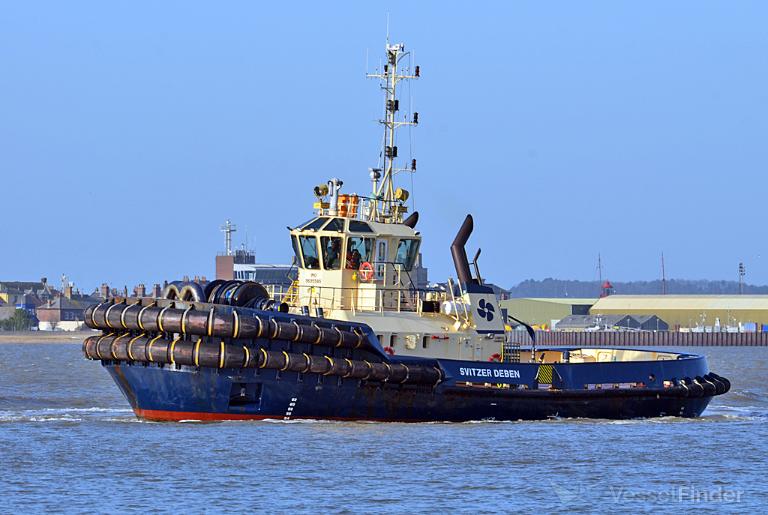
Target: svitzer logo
485,310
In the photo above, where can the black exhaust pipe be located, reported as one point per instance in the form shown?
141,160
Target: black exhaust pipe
412,220
459,254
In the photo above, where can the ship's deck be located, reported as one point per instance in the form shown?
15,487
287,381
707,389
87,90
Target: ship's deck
599,355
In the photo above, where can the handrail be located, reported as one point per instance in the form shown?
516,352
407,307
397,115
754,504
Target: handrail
336,297
364,209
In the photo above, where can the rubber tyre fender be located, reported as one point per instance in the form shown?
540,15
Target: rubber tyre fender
209,288
191,291
723,380
248,291
222,293
171,290
694,388
719,386
683,387
709,388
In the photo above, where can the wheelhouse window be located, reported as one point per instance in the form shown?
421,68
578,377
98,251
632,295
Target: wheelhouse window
331,252
304,224
296,253
355,226
316,224
336,224
406,253
359,250
309,251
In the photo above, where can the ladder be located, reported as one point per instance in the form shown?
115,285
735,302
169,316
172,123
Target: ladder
510,350
291,296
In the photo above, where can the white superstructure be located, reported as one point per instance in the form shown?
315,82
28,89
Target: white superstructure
356,260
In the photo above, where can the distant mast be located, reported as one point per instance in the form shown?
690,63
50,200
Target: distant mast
606,288
742,273
386,206
228,228
599,268
600,273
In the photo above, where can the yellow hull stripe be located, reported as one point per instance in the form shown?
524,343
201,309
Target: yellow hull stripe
184,319
173,346
235,324
196,352
160,317
93,319
210,322
261,327
265,357
122,315
330,369
141,324
370,369
389,371
130,344
287,362
106,315
112,345
98,354
149,347
351,367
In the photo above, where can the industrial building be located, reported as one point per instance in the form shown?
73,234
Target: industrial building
673,312
544,312
611,323
746,312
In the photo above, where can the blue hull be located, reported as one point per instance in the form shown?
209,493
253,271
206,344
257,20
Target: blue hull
173,392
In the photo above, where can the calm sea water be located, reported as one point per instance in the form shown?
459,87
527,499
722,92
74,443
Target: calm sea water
69,442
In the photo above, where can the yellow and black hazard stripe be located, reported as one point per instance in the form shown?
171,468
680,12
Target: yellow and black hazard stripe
545,374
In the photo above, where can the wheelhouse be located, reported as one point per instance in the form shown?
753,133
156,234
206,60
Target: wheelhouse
333,243
340,257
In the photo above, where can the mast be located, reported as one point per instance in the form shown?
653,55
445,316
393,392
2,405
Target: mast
228,228
742,273
383,186
600,269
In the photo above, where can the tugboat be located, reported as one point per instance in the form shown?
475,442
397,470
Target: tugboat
357,338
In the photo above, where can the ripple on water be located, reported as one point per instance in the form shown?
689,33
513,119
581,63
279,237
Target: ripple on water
72,414
63,433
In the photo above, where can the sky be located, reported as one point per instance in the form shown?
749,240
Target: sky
129,131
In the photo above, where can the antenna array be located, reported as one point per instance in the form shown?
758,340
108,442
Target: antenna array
382,179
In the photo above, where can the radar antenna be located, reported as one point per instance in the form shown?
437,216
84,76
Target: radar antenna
387,204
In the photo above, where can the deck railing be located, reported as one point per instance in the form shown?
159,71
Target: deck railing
356,299
363,208
641,339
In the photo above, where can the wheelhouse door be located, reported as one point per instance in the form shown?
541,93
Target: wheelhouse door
381,259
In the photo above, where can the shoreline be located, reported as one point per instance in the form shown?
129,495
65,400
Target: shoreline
45,336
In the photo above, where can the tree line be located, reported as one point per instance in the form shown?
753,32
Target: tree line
19,321
554,288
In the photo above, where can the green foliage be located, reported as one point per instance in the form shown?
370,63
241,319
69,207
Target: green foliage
20,321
